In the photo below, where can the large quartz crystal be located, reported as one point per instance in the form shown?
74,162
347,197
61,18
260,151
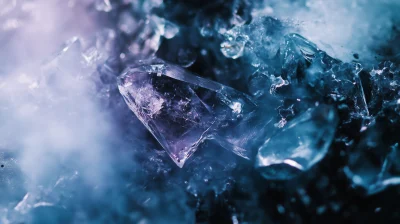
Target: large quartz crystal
302,143
182,110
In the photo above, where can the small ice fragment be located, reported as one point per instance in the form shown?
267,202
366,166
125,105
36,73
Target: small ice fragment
234,46
260,39
299,146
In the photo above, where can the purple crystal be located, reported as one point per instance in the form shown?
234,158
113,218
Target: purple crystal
182,110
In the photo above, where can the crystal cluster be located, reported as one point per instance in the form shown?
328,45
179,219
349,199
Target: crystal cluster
265,122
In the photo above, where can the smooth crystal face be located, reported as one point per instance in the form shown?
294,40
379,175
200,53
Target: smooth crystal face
182,110
302,143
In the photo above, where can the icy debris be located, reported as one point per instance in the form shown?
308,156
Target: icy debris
79,58
225,15
302,143
305,66
296,67
145,32
342,84
182,110
374,164
234,46
145,38
385,85
258,40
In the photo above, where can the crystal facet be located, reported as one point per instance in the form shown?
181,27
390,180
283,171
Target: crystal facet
303,142
182,110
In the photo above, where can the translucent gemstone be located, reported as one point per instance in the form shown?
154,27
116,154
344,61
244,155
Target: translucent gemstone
374,165
78,58
145,34
182,110
342,84
297,53
302,143
385,87
68,62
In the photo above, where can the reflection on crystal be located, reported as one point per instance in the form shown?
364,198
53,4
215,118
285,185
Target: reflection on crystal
375,163
302,143
182,110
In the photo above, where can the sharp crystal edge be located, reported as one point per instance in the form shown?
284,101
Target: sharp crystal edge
182,110
302,143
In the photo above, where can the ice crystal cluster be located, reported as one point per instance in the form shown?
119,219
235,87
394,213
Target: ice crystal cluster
184,111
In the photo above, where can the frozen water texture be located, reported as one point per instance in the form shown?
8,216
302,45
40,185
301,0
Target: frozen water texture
258,40
304,65
182,110
302,143
374,163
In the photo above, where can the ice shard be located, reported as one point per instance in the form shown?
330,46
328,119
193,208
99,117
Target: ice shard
182,110
374,165
304,63
302,143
